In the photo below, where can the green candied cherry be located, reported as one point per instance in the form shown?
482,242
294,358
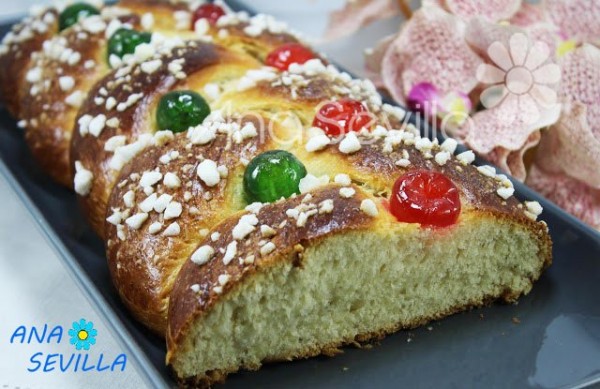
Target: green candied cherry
179,110
273,175
71,15
124,41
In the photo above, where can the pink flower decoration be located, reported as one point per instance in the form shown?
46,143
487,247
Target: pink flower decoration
423,97
506,126
492,10
521,72
566,168
513,161
481,34
575,197
374,58
576,19
520,96
528,15
430,48
455,108
572,146
356,14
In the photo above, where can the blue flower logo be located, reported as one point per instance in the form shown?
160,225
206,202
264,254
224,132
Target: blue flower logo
83,334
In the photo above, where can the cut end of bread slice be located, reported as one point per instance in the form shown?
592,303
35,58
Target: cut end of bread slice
353,285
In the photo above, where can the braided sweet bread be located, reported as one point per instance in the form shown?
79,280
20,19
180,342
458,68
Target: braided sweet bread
254,213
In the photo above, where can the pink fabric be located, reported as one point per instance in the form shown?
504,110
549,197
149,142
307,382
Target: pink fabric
492,10
572,146
509,127
576,19
504,126
546,33
573,196
480,34
430,48
373,60
357,14
566,167
581,82
513,162
528,14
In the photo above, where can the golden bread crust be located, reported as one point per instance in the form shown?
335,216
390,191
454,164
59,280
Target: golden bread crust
24,39
144,264
201,62
50,112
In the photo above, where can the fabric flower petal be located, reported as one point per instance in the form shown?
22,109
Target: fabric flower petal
356,14
500,55
528,14
576,19
430,48
547,74
490,74
580,82
539,53
546,33
572,195
543,95
481,34
492,10
374,58
570,147
508,125
513,162
519,48
493,96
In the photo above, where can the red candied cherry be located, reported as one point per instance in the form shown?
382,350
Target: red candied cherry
340,117
287,54
425,197
210,12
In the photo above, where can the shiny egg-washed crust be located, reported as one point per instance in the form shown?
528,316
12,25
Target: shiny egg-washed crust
17,55
234,38
161,10
477,196
49,118
144,265
187,305
203,63
154,270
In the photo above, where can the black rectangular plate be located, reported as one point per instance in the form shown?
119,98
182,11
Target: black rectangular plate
554,343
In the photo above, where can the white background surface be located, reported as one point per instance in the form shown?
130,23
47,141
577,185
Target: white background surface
35,288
